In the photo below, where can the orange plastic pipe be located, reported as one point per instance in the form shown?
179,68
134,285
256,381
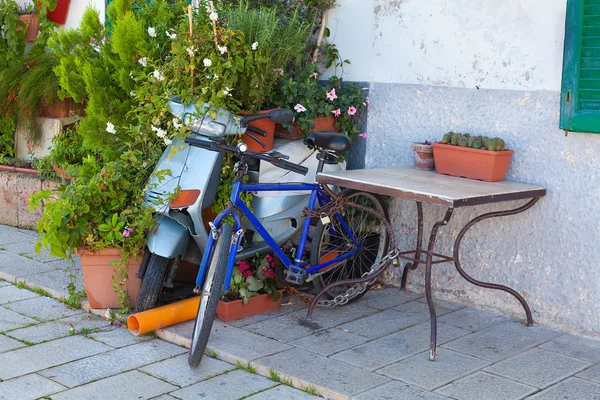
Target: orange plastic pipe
151,320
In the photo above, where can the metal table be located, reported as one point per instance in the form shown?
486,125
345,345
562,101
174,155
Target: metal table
428,187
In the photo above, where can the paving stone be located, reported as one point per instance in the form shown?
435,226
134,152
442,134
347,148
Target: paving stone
592,373
397,391
570,389
502,340
112,362
242,344
8,236
7,344
164,397
21,248
282,392
133,385
473,319
56,279
28,232
397,346
421,308
295,325
538,367
382,299
282,310
43,308
450,305
574,346
323,371
4,283
177,371
419,371
15,266
486,386
58,328
28,387
11,320
118,337
42,356
329,341
10,294
230,386
384,323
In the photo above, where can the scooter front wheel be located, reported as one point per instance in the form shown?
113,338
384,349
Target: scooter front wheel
152,283
211,291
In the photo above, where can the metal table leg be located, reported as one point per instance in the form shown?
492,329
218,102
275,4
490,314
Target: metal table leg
414,265
462,273
432,314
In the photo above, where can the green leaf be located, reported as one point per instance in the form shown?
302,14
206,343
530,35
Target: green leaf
104,228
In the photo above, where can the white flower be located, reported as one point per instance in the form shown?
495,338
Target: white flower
299,108
143,61
254,45
152,32
161,133
216,77
171,35
97,48
110,128
176,123
132,93
167,141
207,62
213,16
158,76
191,51
227,91
222,49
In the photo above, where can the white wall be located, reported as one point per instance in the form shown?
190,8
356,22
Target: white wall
494,44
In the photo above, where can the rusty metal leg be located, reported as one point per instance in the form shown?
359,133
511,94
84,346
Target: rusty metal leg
432,314
462,273
413,265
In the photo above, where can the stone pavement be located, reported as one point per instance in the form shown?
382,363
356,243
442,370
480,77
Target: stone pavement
373,349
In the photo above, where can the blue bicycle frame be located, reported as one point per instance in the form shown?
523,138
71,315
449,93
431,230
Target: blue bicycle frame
237,206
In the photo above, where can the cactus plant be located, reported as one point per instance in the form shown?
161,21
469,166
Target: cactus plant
470,141
463,141
491,144
500,144
447,138
476,143
467,135
455,138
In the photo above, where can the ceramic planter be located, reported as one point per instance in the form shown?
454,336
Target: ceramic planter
59,14
31,20
423,156
322,124
97,277
485,165
266,125
232,310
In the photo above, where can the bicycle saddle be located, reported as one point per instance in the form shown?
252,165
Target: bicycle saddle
328,141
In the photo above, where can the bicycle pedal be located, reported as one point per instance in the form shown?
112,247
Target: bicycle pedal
295,278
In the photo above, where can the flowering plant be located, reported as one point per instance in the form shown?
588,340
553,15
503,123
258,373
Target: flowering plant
254,278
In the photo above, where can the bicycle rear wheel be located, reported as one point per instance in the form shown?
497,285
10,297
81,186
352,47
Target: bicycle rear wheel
211,292
332,240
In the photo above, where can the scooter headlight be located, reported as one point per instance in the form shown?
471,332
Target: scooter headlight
185,198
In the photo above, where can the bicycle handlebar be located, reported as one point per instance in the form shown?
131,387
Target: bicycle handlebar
222,147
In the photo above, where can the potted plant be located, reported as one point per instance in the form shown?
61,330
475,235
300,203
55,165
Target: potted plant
423,156
470,156
253,290
30,22
59,13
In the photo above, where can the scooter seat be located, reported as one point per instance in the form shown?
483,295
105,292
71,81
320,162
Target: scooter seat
328,141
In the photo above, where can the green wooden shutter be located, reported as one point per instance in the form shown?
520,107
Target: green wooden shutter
580,92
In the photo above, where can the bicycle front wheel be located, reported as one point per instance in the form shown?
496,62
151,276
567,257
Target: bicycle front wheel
334,240
211,292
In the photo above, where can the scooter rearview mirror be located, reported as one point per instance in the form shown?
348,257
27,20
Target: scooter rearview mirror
281,116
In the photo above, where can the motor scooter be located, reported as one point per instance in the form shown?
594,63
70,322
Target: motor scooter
181,232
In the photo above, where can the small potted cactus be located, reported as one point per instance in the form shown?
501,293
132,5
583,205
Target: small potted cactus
423,156
471,156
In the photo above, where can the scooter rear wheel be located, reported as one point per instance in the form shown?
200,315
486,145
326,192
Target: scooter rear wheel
211,292
152,283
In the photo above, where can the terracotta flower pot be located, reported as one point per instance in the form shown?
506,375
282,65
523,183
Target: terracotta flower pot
97,277
423,156
31,20
485,165
59,14
61,109
232,310
322,124
266,125
61,172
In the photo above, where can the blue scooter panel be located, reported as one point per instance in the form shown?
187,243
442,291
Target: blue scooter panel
168,239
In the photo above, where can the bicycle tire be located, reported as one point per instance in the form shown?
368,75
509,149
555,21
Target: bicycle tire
152,283
355,266
211,292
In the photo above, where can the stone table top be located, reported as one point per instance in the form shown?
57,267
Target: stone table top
430,187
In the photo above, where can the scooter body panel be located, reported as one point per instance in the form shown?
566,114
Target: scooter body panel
169,239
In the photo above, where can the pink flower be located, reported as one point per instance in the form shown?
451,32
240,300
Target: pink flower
271,274
243,266
127,232
331,95
247,274
278,71
351,110
363,135
368,101
314,75
337,112
299,108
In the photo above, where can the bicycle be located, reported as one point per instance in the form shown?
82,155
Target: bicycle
349,241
